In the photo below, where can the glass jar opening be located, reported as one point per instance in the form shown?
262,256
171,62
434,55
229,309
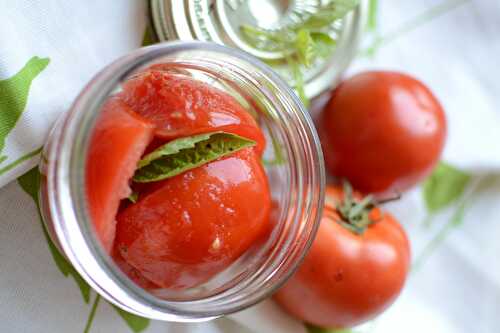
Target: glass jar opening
292,160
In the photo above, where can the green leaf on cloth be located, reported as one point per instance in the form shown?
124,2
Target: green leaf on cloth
444,186
371,24
93,311
14,93
136,323
455,221
149,36
20,160
30,183
323,43
305,46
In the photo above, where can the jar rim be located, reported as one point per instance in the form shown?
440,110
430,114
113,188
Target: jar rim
65,188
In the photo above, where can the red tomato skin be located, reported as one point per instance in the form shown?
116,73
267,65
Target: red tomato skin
117,142
132,272
347,279
192,226
180,106
383,131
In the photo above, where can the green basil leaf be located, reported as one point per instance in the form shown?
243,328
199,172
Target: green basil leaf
136,323
371,24
187,153
305,47
323,43
329,13
133,197
257,37
301,42
298,78
444,186
268,40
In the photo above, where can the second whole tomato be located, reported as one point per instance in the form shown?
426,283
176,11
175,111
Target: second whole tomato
383,131
192,226
355,268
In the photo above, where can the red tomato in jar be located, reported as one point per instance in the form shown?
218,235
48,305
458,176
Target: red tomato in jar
348,278
118,140
180,106
132,272
383,131
192,226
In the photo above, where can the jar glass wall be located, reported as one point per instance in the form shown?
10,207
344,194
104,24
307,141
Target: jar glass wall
293,164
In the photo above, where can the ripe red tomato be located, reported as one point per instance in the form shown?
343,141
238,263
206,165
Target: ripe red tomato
383,131
180,106
192,226
132,272
117,143
348,278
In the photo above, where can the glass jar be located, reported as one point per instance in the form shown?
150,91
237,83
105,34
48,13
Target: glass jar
295,171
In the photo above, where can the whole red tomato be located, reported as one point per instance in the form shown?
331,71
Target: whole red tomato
383,131
194,225
355,268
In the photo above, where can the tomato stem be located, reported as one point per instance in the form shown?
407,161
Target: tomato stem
354,214
397,196
359,207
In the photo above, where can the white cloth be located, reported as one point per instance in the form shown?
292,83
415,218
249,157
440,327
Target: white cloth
457,289
79,38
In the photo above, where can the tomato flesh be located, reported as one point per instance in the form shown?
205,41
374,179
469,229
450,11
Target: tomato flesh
117,143
180,106
192,226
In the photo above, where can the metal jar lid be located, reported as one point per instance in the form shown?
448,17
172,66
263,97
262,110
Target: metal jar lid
219,21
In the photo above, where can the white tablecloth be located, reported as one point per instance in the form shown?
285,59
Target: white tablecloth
456,53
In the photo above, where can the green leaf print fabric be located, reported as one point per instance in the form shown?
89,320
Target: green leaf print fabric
30,183
137,324
14,93
40,75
